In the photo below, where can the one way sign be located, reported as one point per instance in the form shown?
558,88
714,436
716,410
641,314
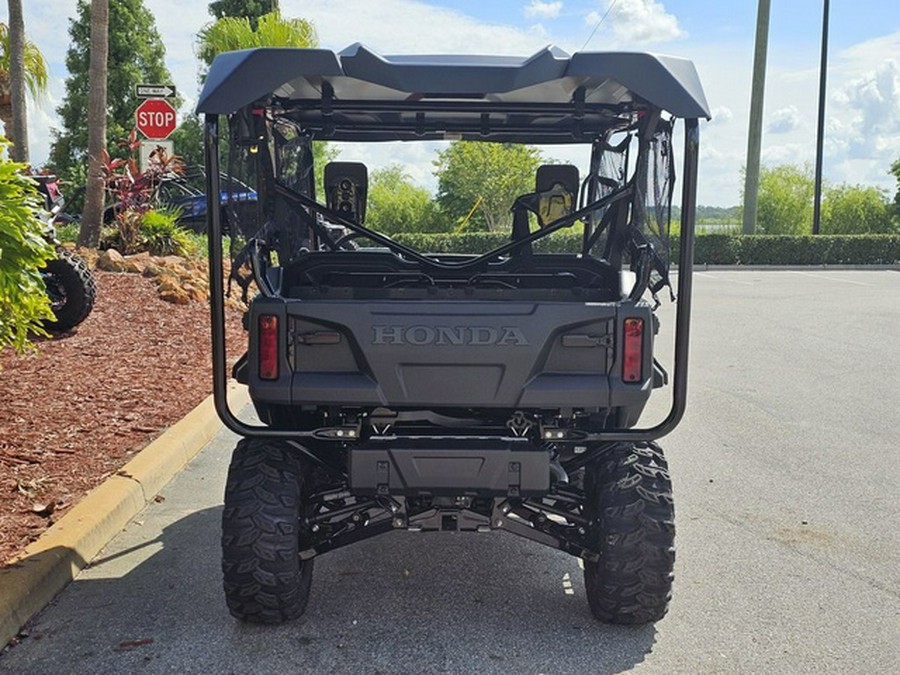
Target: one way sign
154,90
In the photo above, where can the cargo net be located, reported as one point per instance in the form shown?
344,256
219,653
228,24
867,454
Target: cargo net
609,173
237,183
255,219
650,246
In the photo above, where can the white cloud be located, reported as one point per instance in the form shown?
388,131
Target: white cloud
639,21
721,114
784,120
409,27
774,154
543,10
863,133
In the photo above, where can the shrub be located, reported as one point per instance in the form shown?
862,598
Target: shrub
715,249
785,200
855,209
23,251
712,249
160,233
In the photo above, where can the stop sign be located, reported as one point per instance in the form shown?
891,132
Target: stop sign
155,118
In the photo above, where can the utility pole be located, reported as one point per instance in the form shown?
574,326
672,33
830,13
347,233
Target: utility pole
820,129
754,135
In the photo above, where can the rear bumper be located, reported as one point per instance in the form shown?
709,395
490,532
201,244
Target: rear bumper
481,467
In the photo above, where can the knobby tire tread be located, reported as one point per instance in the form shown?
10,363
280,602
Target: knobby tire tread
630,496
70,272
264,579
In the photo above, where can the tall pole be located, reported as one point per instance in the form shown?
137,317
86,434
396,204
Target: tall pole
754,135
820,129
92,215
16,36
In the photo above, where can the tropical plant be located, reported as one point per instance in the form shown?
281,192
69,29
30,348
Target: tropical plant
161,235
133,191
272,30
23,251
237,29
35,77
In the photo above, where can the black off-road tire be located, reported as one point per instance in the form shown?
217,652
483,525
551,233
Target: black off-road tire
265,580
71,288
629,495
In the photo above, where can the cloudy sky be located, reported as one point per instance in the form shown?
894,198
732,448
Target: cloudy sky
863,120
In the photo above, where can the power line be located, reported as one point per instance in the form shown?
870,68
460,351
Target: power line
593,32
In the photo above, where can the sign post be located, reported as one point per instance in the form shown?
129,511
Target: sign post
155,118
154,90
151,151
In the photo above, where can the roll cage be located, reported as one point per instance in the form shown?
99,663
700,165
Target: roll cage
287,98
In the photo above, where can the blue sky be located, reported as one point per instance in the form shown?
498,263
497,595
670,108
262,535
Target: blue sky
863,124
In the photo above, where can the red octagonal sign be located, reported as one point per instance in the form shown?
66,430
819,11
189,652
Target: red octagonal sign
155,118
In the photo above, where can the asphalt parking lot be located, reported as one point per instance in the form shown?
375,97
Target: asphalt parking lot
788,515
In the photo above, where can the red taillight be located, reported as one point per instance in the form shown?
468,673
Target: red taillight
633,350
268,347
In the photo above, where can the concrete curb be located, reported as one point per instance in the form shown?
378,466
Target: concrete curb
51,562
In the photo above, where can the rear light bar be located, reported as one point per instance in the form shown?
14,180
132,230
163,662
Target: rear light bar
633,350
268,347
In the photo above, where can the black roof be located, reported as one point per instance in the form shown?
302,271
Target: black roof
359,84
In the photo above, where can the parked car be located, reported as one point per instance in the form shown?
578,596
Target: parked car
188,192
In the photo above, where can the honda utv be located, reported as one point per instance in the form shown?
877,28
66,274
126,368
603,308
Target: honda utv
425,390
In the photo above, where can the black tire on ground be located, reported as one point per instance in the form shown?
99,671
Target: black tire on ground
71,288
265,580
629,495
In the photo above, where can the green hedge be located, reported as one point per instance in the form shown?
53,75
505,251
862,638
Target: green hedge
848,249
711,249
479,242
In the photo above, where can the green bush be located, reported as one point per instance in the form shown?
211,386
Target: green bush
156,231
160,233
711,249
856,209
850,249
68,232
564,241
23,251
714,249
783,250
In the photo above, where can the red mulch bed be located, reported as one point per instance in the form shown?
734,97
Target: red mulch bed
78,409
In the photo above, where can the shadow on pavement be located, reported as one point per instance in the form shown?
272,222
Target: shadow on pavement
400,603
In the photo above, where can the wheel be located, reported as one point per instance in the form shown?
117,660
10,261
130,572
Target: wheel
265,580
71,288
629,496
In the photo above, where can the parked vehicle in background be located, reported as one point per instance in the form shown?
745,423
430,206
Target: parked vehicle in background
67,278
187,192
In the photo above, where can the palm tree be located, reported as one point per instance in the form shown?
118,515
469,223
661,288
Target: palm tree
35,75
92,216
272,30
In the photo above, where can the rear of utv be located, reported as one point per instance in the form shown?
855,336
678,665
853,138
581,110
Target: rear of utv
423,390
